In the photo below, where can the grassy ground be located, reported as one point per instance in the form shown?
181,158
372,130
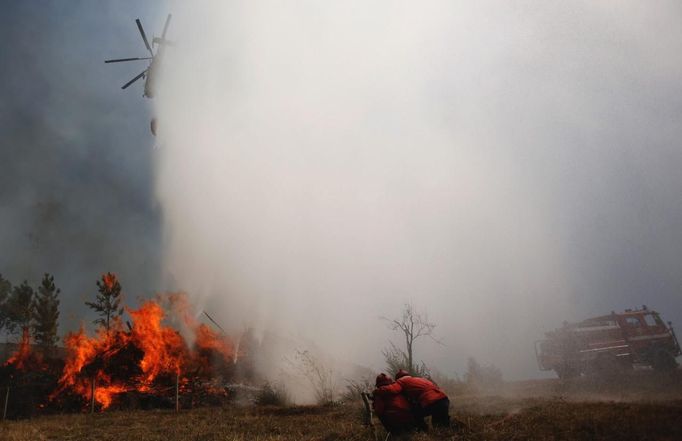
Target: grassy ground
490,418
640,408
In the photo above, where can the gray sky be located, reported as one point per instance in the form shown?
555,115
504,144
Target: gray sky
503,166
76,188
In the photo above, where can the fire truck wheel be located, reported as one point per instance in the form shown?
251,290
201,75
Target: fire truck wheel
663,361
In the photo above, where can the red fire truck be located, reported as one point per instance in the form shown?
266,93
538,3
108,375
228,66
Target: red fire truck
609,344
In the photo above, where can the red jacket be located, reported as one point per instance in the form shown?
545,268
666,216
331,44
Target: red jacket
419,390
392,409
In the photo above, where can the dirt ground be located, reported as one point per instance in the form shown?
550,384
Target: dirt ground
535,410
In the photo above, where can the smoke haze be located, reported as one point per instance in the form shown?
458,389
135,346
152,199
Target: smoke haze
502,166
76,182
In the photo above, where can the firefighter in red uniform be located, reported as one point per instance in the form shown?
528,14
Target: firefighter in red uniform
393,410
428,397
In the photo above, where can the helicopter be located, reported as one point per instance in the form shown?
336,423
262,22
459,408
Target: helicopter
151,73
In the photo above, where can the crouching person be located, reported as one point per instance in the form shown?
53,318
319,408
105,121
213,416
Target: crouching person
393,410
431,401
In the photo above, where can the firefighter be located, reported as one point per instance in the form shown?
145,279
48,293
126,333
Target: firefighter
393,410
430,400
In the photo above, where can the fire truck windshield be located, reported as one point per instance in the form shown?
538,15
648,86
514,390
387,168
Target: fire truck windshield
633,321
650,320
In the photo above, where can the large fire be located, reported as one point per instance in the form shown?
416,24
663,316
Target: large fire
122,360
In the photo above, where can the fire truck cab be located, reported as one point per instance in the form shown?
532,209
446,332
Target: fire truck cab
609,344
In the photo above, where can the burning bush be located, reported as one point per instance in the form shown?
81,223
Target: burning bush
31,376
272,395
140,363
149,358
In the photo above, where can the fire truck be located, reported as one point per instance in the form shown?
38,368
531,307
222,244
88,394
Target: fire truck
609,345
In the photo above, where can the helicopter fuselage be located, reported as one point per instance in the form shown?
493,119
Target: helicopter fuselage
149,84
153,70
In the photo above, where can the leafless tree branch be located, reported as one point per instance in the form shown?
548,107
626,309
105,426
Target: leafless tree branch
412,325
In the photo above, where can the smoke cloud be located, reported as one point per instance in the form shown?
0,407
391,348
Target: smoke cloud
502,166
76,177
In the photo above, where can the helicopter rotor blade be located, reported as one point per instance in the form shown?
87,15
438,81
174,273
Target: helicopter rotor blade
144,72
118,60
165,26
144,36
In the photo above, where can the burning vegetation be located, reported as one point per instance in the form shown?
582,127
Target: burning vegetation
143,362
146,358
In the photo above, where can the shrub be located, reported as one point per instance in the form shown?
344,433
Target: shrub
452,386
272,395
355,387
480,377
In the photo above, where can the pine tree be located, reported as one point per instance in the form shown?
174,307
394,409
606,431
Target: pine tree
5,290
19,309
46,313
108,300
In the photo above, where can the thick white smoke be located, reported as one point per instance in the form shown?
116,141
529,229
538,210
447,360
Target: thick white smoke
325,162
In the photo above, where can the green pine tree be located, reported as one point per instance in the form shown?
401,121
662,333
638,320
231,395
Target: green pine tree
46,313
108,301
19,309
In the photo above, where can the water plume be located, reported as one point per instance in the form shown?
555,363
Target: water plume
323,164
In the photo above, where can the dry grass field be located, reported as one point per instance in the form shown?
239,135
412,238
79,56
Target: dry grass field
538,410
491,418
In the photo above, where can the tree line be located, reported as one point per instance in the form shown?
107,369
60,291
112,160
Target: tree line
25,311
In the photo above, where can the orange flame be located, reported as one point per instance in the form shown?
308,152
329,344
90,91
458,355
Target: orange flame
23,352
206,338
109,280
162,351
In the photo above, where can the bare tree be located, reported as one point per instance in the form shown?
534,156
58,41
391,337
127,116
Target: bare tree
320,377
412,325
